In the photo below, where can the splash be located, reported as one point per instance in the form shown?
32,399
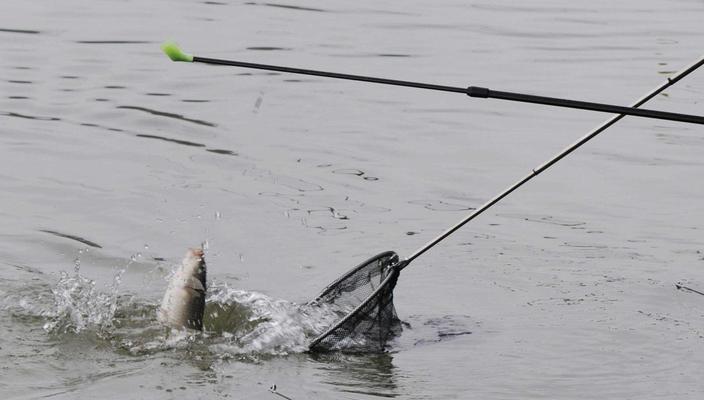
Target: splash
79,305
237,323
268,325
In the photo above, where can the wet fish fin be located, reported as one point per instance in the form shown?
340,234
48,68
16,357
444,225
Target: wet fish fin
195,284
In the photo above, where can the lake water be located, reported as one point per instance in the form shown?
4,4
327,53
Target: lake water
115,160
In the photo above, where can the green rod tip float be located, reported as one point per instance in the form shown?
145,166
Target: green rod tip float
174,52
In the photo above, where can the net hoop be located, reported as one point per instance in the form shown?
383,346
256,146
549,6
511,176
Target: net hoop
391,254
390,279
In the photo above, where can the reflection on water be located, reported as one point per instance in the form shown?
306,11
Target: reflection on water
368,374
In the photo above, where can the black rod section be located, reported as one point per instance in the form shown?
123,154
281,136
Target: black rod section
585,105
326,74
472,91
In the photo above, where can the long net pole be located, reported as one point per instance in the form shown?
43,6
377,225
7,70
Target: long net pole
536,171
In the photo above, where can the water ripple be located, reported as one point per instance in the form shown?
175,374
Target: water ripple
72,237
23,31
166,139
440,205
288,6
168,115
26,116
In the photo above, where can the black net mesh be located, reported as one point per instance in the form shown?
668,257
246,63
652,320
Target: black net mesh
364,299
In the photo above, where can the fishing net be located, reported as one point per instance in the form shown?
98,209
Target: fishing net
364,299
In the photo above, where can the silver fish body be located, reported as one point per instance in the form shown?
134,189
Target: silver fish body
183,304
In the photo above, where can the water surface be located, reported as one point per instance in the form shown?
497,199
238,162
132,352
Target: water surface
114,160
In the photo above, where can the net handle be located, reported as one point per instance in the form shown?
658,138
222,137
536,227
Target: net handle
669,82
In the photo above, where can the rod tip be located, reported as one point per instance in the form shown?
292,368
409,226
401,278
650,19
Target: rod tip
174,52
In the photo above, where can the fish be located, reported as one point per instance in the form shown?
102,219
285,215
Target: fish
183,304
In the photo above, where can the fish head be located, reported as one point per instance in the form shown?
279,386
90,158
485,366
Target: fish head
193,268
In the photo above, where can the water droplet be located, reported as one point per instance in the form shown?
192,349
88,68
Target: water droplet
146,246
77,263
218,215
241,257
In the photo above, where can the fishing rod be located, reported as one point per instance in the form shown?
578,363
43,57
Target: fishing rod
175,54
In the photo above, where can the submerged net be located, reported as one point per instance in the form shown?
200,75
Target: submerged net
364,298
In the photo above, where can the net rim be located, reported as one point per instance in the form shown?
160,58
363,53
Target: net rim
392,275
353,270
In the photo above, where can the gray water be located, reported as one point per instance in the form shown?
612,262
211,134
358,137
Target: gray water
114,160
